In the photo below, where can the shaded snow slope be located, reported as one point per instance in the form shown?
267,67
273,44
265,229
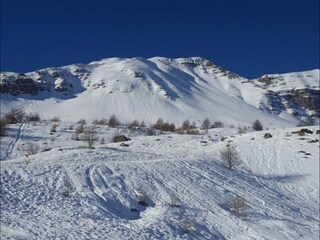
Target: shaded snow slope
146,89
278,178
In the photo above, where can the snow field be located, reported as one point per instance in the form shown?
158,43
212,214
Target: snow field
71,192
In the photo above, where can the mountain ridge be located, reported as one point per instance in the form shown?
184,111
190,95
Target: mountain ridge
175,89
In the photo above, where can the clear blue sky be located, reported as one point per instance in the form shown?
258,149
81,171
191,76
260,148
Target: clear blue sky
248,37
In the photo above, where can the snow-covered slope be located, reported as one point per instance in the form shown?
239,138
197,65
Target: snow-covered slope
295,93
278,178
146,89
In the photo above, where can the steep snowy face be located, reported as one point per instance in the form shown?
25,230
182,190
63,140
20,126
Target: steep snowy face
295,93
174,89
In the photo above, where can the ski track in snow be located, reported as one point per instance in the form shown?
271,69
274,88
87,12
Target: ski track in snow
105,184
13,144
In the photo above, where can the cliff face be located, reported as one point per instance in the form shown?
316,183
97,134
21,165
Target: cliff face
16,84
60,81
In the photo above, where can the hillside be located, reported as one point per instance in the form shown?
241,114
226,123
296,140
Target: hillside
146,89
70,191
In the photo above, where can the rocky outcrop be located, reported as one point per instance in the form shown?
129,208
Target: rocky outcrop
21,84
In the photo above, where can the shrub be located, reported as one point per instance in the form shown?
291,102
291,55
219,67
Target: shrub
237,205
33,117
55,119
82,121
158,125
240,130
134,124
164,126
185,125
102,121
3,127
192,131
217,124
142,124
257,126
102,141
186,225
173,200
113,121
54,128
15,115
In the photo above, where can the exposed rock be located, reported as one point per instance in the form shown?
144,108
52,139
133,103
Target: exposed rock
120,138
267,135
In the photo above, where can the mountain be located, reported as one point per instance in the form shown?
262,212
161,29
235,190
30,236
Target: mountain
173,89
295,93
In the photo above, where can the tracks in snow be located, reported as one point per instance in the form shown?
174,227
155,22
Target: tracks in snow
12,146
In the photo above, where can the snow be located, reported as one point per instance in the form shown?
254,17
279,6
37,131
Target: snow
294,80
146,89
278,178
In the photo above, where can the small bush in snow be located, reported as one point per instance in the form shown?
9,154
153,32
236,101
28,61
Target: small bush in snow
237,205
217,124
193,132
173,200
102,141
142,124
15,115
33,117
55,119
3,127
241,130
257,125
82,121
186,225
134,124
102,121
164,126
113,121
54,128
186,125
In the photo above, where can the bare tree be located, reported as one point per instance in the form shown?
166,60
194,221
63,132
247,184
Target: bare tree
206,124
230,155
237,205
90,135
